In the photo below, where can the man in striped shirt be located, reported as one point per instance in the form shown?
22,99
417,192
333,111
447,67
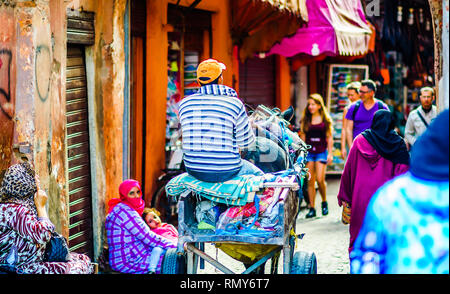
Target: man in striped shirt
215,125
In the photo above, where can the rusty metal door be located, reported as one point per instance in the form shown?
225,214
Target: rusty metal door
80,196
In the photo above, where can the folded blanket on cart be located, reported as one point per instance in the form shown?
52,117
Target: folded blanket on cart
237,192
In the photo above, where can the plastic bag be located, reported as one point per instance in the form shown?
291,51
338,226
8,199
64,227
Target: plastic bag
207,212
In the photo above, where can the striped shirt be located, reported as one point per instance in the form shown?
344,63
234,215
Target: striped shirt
214,125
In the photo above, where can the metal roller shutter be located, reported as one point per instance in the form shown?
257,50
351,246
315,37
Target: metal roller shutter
80,217
80,27
257,81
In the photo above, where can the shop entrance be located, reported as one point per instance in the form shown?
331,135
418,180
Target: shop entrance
80,32
257,81
189,44
137,89
189,41
80,196
403,61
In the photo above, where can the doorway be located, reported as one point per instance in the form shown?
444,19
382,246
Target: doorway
78,153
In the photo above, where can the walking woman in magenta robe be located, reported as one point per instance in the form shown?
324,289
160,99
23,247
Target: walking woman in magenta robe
377,155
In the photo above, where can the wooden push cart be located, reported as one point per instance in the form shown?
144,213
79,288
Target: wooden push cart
281,241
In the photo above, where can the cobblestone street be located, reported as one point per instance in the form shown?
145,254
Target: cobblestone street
326,236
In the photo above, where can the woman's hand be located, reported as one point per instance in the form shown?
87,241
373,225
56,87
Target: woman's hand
330,158
40,199
344,153
346,213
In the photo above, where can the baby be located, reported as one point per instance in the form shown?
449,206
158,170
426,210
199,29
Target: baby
151,217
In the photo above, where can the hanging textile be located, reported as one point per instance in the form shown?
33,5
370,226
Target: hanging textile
334,28
258,24
352,30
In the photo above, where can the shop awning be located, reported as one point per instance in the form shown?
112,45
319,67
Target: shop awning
256,25
334,28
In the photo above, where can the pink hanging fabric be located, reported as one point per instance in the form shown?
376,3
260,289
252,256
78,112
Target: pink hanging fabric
316,38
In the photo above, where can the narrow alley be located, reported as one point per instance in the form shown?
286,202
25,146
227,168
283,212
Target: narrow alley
166,136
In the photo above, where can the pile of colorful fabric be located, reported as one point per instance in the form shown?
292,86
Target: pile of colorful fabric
237,191
240,206
270,125
258,218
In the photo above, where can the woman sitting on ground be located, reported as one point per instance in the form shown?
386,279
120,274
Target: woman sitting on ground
133,247
25,227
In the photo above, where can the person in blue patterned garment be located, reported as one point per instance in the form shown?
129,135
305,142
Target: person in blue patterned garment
406,227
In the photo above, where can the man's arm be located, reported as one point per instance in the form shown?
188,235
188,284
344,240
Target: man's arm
330,143
344,135
349,133
410,132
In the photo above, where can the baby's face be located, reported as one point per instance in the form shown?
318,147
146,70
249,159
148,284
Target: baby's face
152,220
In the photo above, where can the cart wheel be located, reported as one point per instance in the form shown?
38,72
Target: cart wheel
304,263
173,264
274,263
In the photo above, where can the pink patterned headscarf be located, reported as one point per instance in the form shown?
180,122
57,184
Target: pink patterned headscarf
137,204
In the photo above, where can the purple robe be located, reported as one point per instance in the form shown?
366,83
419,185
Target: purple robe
365,171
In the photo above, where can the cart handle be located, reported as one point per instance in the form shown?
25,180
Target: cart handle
193,249
293,186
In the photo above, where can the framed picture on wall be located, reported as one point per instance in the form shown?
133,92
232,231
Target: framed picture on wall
339,76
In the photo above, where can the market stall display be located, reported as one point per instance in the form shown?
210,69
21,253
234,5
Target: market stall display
339,76
191,60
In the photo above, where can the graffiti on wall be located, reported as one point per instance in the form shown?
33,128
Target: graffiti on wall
5,82
42,71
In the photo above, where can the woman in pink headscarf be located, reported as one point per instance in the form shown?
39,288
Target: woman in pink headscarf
133,247
131,195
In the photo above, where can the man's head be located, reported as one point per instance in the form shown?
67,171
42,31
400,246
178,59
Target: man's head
210,72
353,91
367,90
426,97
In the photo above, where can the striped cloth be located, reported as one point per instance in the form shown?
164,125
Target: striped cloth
236,192
214,125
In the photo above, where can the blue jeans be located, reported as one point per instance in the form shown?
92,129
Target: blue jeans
321,157
154,258
247,168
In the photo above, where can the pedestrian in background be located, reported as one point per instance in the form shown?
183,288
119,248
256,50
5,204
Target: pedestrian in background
360,113
376,156
316,131
353,96
420,118
406,228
